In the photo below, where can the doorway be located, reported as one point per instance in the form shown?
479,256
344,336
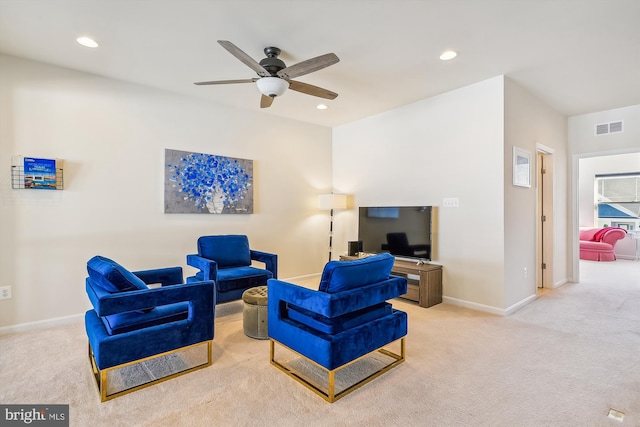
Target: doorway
585,213
544,190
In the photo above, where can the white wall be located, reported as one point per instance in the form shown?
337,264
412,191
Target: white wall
112,136
530,123
584,142
450,145
459,144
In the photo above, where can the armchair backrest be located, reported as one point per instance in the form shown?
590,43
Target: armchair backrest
339,276
112,277
226,250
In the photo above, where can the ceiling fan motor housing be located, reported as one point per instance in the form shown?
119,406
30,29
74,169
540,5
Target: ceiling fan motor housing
271,63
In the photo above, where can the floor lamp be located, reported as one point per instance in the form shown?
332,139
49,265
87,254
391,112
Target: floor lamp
330,202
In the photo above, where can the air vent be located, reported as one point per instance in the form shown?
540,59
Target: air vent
606,128
615,127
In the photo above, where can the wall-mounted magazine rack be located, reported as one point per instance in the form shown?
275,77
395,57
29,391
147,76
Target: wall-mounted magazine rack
33,173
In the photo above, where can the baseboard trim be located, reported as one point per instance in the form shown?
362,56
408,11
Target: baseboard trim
517,306
41,324
487,308
473,305
303,277
560,283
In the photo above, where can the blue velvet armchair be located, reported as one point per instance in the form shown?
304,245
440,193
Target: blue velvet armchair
131,322
347,318
226,259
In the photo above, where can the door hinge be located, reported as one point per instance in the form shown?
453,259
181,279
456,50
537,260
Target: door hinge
543,218
543,171
544,266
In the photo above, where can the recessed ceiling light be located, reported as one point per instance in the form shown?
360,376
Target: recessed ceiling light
322,107
86,41
448,54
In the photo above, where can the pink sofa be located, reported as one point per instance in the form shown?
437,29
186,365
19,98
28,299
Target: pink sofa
596,244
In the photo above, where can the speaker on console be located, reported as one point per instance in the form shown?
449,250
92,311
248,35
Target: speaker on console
355,247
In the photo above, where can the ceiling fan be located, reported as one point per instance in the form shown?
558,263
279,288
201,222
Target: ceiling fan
275,76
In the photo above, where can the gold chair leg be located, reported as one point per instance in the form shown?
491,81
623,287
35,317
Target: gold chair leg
330,395
101,375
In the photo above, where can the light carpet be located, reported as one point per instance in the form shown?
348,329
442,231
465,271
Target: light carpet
563,360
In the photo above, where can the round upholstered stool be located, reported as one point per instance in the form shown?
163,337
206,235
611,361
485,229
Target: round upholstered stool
254,315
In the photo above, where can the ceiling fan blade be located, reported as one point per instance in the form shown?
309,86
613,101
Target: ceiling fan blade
308,66
311,90
224,82
246,59
266,101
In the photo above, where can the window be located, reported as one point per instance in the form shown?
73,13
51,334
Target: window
618,200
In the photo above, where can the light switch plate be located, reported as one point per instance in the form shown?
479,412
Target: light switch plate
450,202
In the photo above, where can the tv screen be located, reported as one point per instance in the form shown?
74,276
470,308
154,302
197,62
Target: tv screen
403,231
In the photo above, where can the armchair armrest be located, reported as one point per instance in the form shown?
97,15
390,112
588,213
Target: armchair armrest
208,267
270,261
613,235
165,276
335,304
199,294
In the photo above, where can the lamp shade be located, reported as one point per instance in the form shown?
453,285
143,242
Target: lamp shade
272,86
332,201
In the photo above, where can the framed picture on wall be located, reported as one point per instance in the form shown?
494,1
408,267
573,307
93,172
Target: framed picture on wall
207,183
521,167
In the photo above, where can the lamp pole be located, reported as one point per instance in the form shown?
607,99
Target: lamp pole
331,202
330,233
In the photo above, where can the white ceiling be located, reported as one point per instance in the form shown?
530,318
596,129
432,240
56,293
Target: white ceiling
579,56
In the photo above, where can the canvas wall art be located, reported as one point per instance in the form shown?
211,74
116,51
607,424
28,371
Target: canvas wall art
206,183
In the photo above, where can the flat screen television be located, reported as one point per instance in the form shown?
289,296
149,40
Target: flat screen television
403,231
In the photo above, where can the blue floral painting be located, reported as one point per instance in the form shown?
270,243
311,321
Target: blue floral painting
206,183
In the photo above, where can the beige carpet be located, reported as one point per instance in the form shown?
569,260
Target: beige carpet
563,360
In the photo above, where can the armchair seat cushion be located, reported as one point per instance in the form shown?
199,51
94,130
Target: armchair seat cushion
334,325
239,278
135,320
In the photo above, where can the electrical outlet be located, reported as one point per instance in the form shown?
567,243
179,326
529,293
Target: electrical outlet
450,202
5,292
525,273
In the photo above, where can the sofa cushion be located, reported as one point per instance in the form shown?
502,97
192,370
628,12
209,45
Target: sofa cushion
112,277
595,246
588,234
226,251
344,275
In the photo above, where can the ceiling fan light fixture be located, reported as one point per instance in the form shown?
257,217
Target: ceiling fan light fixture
272,86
